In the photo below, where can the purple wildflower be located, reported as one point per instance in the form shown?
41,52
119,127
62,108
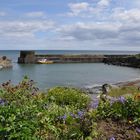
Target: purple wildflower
2,102
80,113
63,117
95,104
122,99
138,130
112,138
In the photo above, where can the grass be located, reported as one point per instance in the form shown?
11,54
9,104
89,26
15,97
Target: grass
124,91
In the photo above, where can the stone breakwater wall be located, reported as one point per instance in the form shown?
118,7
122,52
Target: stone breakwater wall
31,57
121,60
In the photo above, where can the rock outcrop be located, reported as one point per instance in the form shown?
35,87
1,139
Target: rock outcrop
5,62
130,61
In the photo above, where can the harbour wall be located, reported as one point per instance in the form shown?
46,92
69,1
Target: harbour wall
30,57
121,60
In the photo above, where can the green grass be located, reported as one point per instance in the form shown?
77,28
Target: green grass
128,90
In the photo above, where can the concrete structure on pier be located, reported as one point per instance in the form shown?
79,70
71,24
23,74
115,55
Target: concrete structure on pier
27,57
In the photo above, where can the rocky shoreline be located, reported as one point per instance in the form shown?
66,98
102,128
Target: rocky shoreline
5,62
123,60
97,89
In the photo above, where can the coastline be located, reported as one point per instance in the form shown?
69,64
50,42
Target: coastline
97,89
132,82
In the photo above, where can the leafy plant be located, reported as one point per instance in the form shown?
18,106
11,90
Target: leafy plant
68,96
63,113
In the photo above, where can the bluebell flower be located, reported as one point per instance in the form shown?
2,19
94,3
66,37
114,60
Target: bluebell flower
80,113
2,102
63,117
95,104
122,99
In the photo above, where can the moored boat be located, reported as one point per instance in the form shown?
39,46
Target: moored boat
45,61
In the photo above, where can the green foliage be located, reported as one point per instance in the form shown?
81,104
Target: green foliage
61,114
121,109
68,96
28,114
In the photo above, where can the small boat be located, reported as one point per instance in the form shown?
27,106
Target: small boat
1,67
45,61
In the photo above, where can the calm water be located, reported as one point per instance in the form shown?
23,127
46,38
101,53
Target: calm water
78,75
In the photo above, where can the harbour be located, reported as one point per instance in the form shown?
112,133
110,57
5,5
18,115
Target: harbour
68,74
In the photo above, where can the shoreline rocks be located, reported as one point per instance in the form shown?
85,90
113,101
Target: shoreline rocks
105,88
5,62
128,61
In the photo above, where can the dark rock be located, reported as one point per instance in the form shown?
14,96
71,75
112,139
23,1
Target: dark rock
123,60
105,88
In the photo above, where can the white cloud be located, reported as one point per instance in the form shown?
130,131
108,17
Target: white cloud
104,3
23,28
77,8
132,15
90,31
104,33
85,9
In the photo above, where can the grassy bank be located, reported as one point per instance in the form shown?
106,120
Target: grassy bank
65,114
124,91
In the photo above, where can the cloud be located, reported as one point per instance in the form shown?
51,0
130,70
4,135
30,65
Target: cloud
77,8
110,23
24,28
103,33
104,3
35,14
90,31
132,15
85,9
120,29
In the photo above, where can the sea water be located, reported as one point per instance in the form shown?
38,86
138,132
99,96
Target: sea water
77,75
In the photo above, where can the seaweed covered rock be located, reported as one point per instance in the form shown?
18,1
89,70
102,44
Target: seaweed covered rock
5,62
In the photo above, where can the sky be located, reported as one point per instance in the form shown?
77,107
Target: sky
70,25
